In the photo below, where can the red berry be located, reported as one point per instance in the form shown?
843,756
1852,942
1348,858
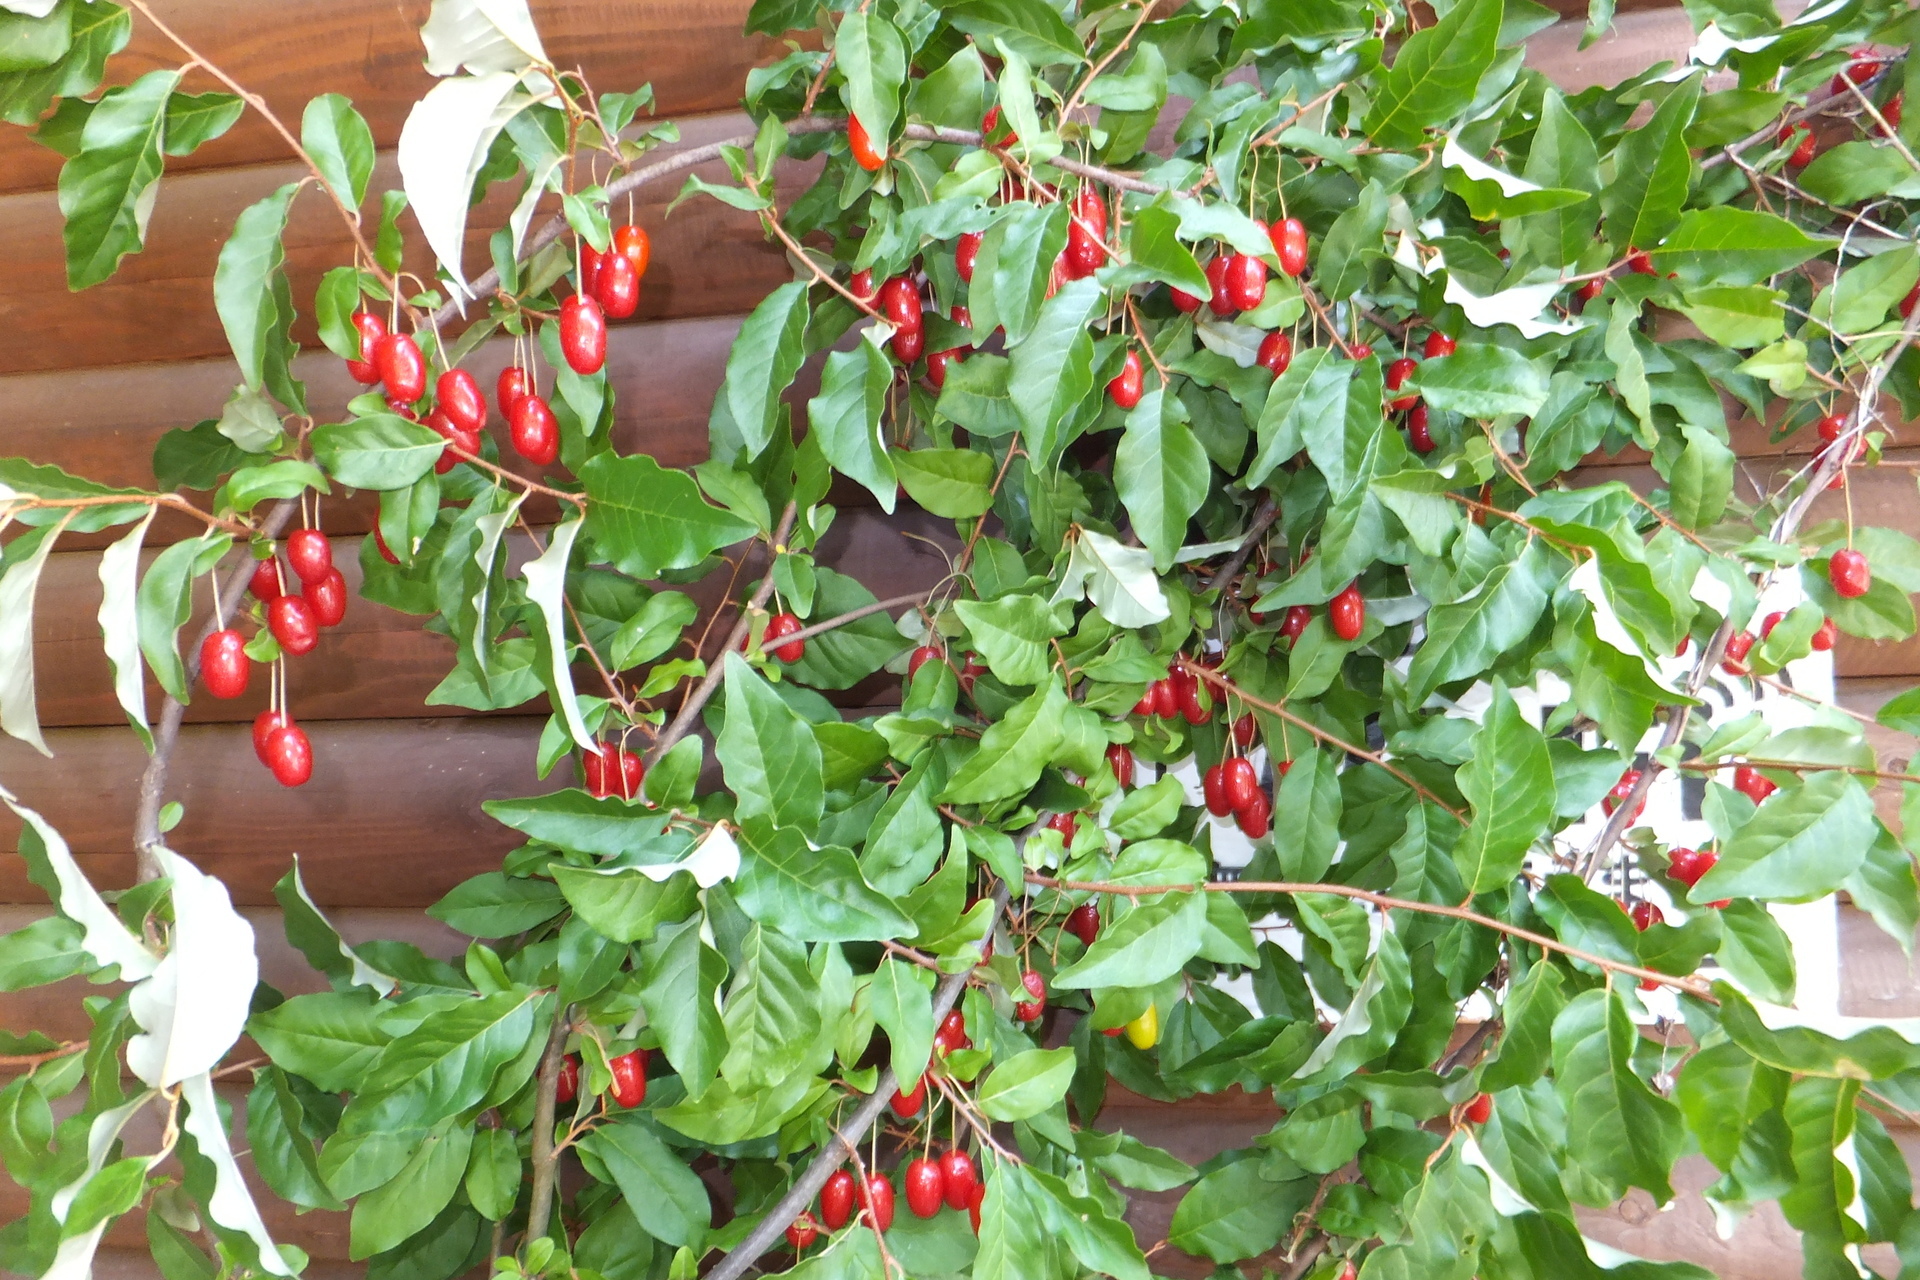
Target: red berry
290,619
1029,1010
836,1199
1419,434
263,726
629,1078
1891,113
921,657
967,253
1863,68
591,260
1246,281
1397,374
1646,914
970,671
900,303
1348,1271
938,361
1833,424
1192,709
876,1202
1065,824
909,1104
1124,388
1688,865
289,755
1734,660
1823,638
618,289
1908,303
1803,152
401,367
1166,699
310,554
371,329
328,599
439,422
1639,262
1083,922
1257,817
1771,621
1437,344
1243,730
865,154
512,387
1222,298
1120,760
1184,301
860,285
779,625
1298,616
224,665
1621,790
973,1205
907,345
926,1186
1289,237
1848,573
1087,233
954,1027
534,430
266,583
458,396
961,1178
801,1233
1276,353
1239,783
1213,786
1752,784
568,1081
1347,612
1480,1110
1590,290
1360,351
614,771
633,244
583,334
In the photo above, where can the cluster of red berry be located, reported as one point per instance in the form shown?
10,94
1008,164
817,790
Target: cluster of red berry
612,770
629,1079
1177,695
1233,787
1346,614
1850,577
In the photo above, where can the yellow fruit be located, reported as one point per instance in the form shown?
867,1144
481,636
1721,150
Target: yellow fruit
1144,1031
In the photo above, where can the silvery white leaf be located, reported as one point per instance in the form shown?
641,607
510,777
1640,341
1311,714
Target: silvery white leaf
104,937
480,35
231,1204
1519,307
1118,579
442,146
716,858
546,584
19,711
120,624
194,1006
31,8
1454,156
101,1136
1239,343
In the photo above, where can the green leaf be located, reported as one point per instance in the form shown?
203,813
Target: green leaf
1234,1213
97,31
1026,1084
1052,370
846,418
1626,1134
952,483
29,43
107,190
1465,638
609,827
1031,28
1353,242
1802,843
341,146
768,752
1435,74
45,951
627,904
1860,298
816,895
1728,246
645,519
976,397
873,60
1562,155
1312,391
1155,251
1480,380
1013,750
1162,474
1756,951
1011,633
194,119
1509,783
492,1180
443,1066
283,478
901,998
665,1196
1310,795
765,357
1651,170
387,1215
1702,479
331,1038
165,601
1856,171
281,1149
682,976
1147,945
1737,316
1010,274
493,905
771,1015
381,451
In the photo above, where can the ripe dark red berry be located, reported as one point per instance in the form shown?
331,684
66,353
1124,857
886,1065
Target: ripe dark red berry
1298,616
402,368
568,1081
1849,573
633,244
801,1233
974,1202
583,334
1276,353
371,329
629,1078
876,1202
778,626
900,303
1086,234
224,665
908,1104
1256,818
1030,1010
1437,345
1646,914
1065,824
865,154
1480,1110
328,598
458,396
1243,730
1120,760
1125,387
1184,301
1828,633
1246,281
1803,151
1397,374
266,583
613,771
618,288
1590,290
966,253
907,345
1771,621
590,263
263,726
926,1186
289,755
1193,709
1166,699
956,1167
1638,262
1419,434
1213,787
511,388
534,430
1863,68
1347,612
310,554
1831,426
1359,351
921,657
1688,865
836,1199
1239,782
1734,660
1621,790
1752,784
1083,922
290,619
1289,237
1221,299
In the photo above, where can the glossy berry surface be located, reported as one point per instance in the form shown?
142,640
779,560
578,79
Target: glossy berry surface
510,388
801,1232
1124,388
534,430
1824,638
1221,299
906,1104
1688,865
960,1178
1295,622
921,657
629,1078
1086,234
263,726
1849,574
1246,281
310,554
371,328
635,245
876,1202
458,396
926,1186
291,620
1646,914
224,665
966,253
1120,760
1437,344
1733,660
1256,817
1083,922
1213,788
402,368
1621,790
327,597
289,755
1239,782
568,1081
1347,612
1036,986
1419,434
583,334
618,288
1289,237
1480,1110
1276,353
266,583
1397,374
865,153
836,1199
1753,784
778,626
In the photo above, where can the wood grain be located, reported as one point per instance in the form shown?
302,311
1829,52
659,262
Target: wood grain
695,55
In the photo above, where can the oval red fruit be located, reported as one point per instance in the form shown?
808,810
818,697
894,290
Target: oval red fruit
1087,233
310,554
291,620
583,334
974,1202
1213,786
1030,1010
1120,760
402,368
926,1186
266,583
289,755
966,253
1289,237
1246,281
1347,612
1298,616
1688,865
1276,353
328,598
263,726
921,657
1734,660
1849,573
1480,1110
1125,387
1239,782
1243,730
1256,818
458,396
567,1082
1437,345
1828,633
224,665
865,154
906,1104
778,626
900,303
1184,301
1752,784
876,1202
1646,914
1397,374
534,430
956,1167
1083,922
633,244
1639,262
801,1233
371,329
629,1078
511,388
1419,434
1222,298
618,289
836,1199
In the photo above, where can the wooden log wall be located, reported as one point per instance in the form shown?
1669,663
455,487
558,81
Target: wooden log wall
391,819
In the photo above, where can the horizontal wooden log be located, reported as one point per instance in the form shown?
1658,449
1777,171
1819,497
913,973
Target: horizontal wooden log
708,259
380,663
695,55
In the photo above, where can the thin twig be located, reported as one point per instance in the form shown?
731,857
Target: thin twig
172,501
67,1049
854,615
1263,517
545,1164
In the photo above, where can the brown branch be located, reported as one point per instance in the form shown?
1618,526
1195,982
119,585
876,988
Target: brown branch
710,683
854,615
1688,983
546,1164
172,501
834,1154
1263,518
67,1049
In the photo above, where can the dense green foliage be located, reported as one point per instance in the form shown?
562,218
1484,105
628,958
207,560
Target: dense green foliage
1348,579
